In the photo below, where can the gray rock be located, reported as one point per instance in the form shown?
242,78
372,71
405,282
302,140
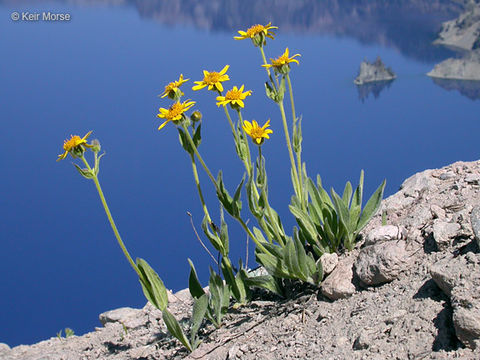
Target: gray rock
464,68
329,261
384,233
129,317
472,179
418,183
371,72
382,263
475,220
338,284
4,349
463,32
362,341
437,212
447,175
444,232
459,278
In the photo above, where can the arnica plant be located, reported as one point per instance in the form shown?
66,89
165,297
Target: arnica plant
327,222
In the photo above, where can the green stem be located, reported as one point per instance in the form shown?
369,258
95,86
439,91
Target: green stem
299,153
248,163
296,184
199,189
247,230
109,215
199,157
269,209
268,69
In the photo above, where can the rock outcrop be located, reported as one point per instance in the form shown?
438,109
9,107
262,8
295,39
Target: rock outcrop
466,67
373,72
409,290
463,32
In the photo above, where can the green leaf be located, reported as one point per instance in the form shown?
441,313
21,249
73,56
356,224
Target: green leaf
174,329
197,136
304,221
258,235
153,287
273,264
255,209
182,137
218,291
214,239
87,174
347,194
323,194
342,211
224,234
194,286
291,261
357,196
267,282
237,203
200,306
224,197
371,207
301,255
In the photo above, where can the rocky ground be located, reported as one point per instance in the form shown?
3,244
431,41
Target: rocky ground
410,290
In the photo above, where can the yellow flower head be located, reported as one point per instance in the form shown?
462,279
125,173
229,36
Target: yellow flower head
234,97
74,144
174,112
213,80
281,64
257,133
258,33
172,90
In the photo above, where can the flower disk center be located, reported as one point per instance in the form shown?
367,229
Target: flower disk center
73,142
212,78
175,110
254,30
234,94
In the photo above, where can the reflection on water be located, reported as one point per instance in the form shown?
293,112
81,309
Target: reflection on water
409,26
374,88
468,88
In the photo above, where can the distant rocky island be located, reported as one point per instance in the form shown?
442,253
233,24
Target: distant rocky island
463,35
374,72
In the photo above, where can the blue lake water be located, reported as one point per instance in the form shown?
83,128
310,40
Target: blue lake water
103,71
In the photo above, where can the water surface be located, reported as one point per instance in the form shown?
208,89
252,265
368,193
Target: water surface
103,70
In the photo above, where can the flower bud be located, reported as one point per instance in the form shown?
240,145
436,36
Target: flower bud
196,116
95,146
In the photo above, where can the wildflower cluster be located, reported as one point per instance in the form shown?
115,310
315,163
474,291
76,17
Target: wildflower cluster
326,223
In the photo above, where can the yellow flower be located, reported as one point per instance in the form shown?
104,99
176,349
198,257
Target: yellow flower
173,88
213,80
71,144
174,112
234,97
257,133
281,64
257,33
